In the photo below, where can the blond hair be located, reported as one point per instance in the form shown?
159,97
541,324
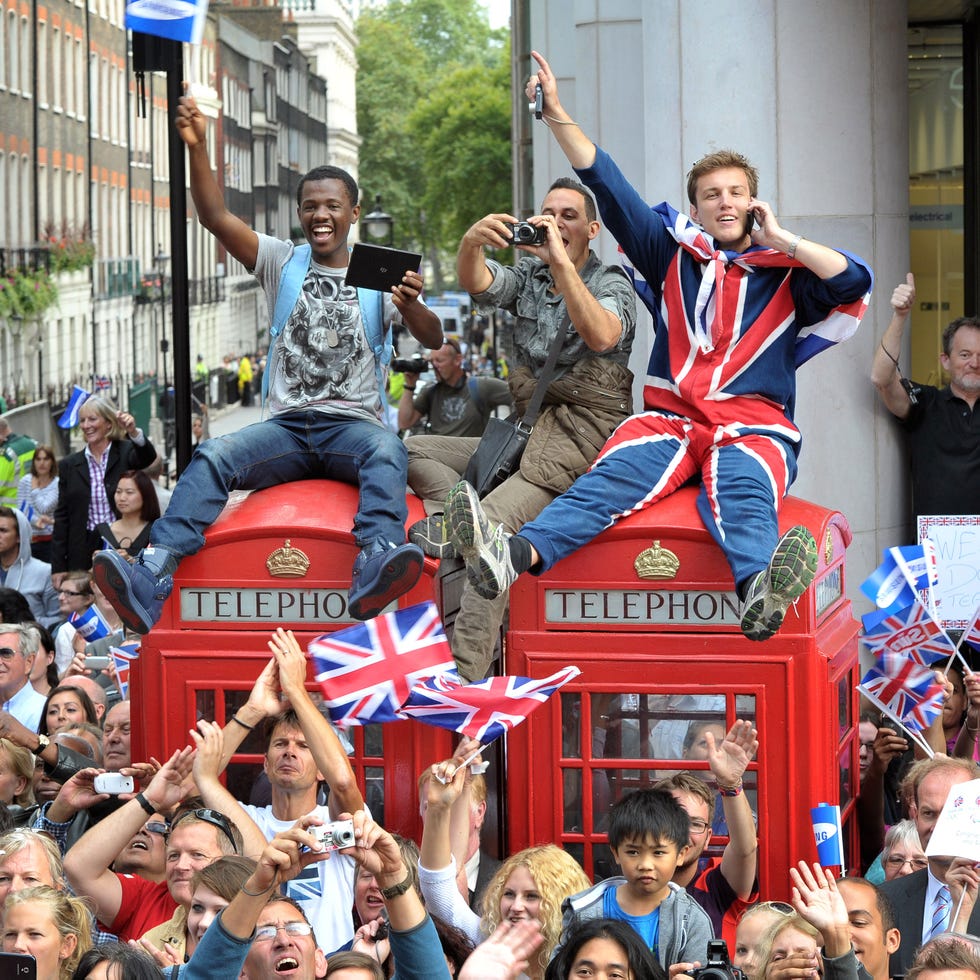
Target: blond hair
70,915
556,875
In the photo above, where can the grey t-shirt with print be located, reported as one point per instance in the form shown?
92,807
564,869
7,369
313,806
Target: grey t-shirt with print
322,359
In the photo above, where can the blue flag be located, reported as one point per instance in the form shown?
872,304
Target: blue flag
179,20
69,417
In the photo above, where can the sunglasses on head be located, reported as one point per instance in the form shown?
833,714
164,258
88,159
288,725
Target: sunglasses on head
214,817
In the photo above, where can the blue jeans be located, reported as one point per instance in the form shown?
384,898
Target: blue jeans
292,446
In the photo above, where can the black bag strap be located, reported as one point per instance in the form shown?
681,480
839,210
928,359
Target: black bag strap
547,374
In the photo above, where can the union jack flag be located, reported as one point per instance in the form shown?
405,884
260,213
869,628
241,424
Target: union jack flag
926,711
911,632
367,671
972,634
102,383
484,710
898,685
123,657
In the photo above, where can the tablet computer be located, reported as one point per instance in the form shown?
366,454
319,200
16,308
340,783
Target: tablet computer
378,267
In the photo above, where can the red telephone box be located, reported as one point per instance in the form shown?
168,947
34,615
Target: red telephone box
278,557
648,612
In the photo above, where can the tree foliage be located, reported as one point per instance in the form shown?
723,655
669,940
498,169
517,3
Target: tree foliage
433,112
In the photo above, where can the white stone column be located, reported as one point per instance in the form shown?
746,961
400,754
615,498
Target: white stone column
815,95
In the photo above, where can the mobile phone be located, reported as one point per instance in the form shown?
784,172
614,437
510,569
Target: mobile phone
17,966
537,106
113,782
97,663
749,221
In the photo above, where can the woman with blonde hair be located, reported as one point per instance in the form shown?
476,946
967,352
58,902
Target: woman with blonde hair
17,782
88,479
50,926
789,936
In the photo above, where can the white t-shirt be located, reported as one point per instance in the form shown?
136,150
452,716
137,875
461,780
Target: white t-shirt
325,889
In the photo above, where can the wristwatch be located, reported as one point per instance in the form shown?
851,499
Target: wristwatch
42,743
395,890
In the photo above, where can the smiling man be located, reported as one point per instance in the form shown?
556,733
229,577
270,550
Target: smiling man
738,302
18,648
326,367
943,424
558,289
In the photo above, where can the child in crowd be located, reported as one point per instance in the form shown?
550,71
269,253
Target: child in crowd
649,835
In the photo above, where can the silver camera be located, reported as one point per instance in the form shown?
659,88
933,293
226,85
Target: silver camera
333,836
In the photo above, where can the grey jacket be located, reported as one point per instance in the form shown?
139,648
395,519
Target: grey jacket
32,577
684,926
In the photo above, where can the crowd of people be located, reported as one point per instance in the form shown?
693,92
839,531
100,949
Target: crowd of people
171,872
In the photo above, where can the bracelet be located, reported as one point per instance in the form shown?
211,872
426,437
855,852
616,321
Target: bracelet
238,721
265,891
406,388
791,251
148,808
560,122
730,790
972,731
394,891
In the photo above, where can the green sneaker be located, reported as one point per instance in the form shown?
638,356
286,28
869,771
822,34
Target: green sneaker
790,570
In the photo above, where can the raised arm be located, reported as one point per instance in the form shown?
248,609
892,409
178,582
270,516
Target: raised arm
263,702
817,900
207,760
87,862
576,146
329,754
471,262
231,231
884,368
728,762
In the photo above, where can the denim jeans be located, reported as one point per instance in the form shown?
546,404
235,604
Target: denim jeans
292,446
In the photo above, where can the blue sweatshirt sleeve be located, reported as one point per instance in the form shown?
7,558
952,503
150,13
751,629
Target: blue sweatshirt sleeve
219,955
418,953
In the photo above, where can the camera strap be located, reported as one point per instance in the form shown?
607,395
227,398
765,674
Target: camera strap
547,375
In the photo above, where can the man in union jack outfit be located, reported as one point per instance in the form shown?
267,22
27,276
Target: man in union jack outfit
735,310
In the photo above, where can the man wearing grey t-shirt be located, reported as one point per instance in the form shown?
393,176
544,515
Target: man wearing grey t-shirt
324,399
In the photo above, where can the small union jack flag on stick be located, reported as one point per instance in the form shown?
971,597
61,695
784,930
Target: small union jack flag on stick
486,709
904,690
911,631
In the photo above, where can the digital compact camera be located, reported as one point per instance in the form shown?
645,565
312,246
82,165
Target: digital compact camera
333,836
527,234
718,965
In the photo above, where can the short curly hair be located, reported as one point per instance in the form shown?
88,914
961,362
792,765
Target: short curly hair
555,873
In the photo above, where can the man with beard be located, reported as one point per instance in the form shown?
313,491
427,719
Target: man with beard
943,424
722,887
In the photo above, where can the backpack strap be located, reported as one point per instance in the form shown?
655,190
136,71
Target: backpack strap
378,335
474,390
290,283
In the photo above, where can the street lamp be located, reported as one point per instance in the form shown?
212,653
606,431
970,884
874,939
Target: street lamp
379,224
160,260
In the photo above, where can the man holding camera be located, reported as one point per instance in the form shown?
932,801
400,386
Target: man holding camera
455,405
558,286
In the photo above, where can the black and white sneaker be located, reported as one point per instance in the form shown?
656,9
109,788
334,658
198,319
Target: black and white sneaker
430,535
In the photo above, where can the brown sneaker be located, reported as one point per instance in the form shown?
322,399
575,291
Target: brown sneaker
430,535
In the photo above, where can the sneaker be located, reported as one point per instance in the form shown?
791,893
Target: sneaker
134,590
381,574
430,535
482,545
790,570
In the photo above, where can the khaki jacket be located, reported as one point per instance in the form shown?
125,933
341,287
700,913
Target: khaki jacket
580,411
